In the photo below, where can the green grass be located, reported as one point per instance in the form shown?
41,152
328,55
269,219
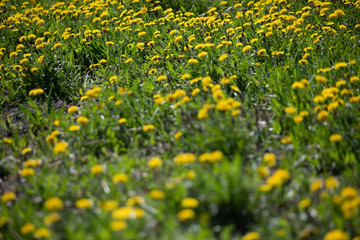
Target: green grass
255,104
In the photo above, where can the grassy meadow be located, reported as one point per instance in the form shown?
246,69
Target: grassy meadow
156,119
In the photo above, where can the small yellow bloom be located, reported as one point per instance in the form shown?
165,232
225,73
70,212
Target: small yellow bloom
202,54
340,65
27,228
109,205
161,78
122,120
246,48
335,138
113,79
36,92
54,204
8,196
189,203
27,172
26,150
148,127
193,61
155,162
74,128
270,159
331,182
120,177
82,120
320,79
157,194
304,203
72,109
251,236
97,169
323,116
178,135
84,203
222,57
316,185
60,147
336,234
185,158
42,233
52,218
118,225
186,214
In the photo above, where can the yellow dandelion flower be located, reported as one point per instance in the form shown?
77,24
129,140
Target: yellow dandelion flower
42,233
155,162
60,147
84,203
8,196
120,177
97,169
186,214
189,203
27,228
54,204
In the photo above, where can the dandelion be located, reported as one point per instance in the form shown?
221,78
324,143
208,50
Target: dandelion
109,205
8,196
60,147
113,79
193,61
178,39
340,65
161,78
261,52
109,43
189,203
97,169
178,134
336,234
42,233
186,214
26,150
27,228
82,120
74,128
141,34
72,109
202,54
93,93
323,116
222,57
120,178
155,162
270,159
335,138
84,203
122,120
185,158
157,194
331,183
54,204
320,79
246,49
304,203
36,92
26,172
251,236
118,225
316,185
148,128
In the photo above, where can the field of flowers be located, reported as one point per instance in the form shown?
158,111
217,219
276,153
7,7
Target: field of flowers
156,119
